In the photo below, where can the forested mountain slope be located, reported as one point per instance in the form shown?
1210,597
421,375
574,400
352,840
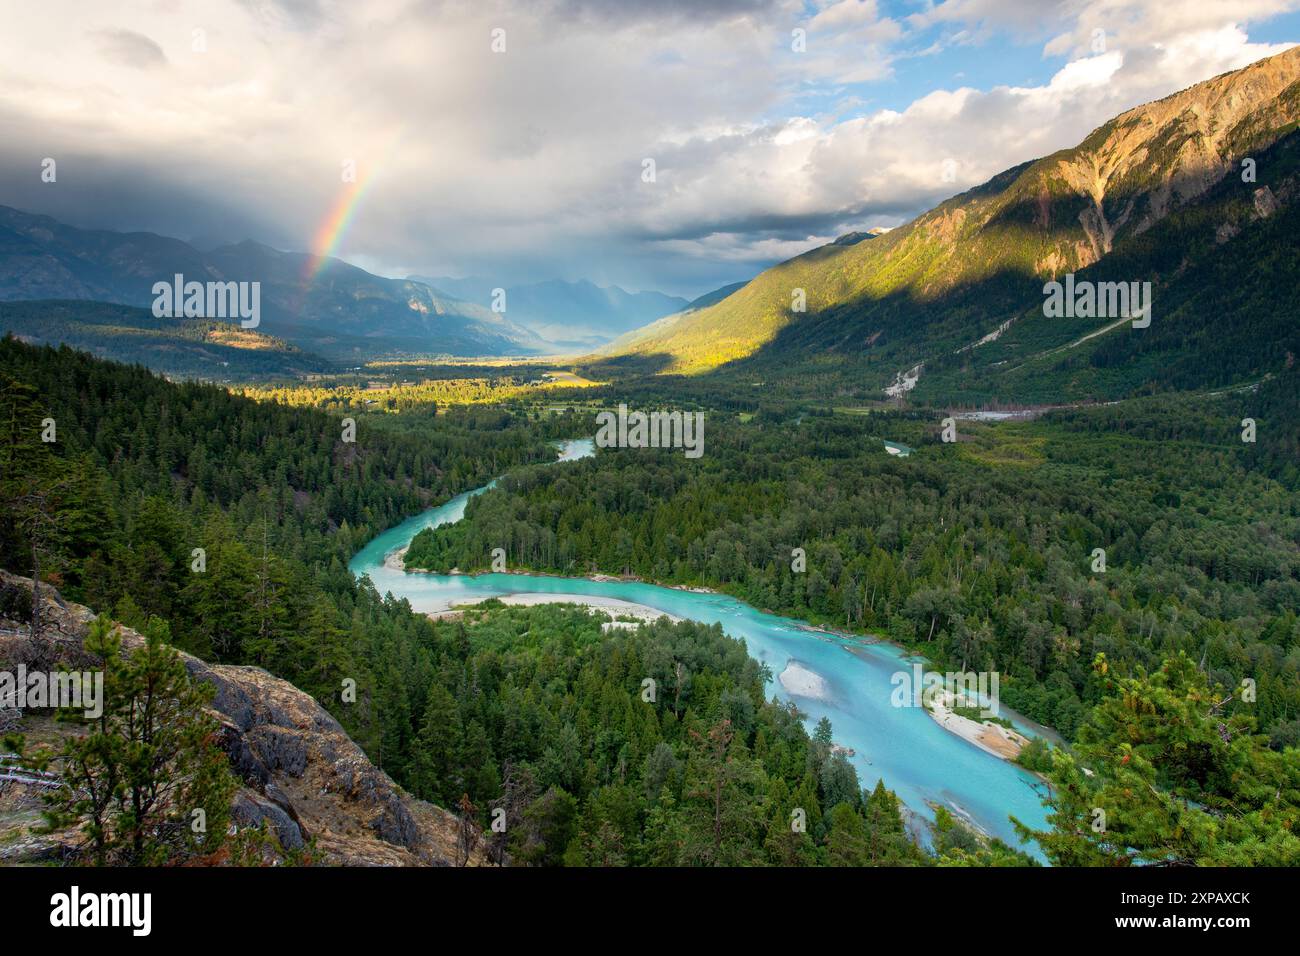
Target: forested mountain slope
143,472
207,349
1158,194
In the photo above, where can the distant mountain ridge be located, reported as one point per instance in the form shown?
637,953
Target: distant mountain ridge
207,349
950,304
716,296
331,309
575,315
649,332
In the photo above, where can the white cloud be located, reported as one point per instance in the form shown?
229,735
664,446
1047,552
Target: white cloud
1133,24
533,158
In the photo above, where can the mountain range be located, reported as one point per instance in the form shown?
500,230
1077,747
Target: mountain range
1194,193
324,307
571,316
208,349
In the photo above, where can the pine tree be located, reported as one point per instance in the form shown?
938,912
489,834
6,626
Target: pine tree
847,840
1162,774
435,762
146,783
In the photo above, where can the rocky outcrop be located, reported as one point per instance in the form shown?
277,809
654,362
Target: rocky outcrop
300,771
1265,202
1157,157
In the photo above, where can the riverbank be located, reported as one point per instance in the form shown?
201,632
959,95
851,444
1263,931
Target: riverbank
395,561
794,679
990,737
615,607
915,757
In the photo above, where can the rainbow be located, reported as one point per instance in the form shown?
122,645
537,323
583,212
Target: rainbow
331,231
335,225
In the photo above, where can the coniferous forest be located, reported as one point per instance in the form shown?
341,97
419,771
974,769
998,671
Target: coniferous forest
978,554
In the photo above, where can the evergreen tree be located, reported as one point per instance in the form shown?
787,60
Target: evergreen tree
1162,774
146,782
436,759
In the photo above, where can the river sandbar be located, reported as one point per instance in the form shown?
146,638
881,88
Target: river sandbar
988,736
614,606
802,682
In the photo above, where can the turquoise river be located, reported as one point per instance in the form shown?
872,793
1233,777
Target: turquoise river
904,746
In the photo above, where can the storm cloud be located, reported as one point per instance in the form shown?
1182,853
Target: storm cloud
225,121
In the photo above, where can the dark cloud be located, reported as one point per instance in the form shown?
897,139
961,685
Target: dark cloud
789,227
527,164
144,194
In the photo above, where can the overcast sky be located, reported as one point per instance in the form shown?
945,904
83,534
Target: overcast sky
230,119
